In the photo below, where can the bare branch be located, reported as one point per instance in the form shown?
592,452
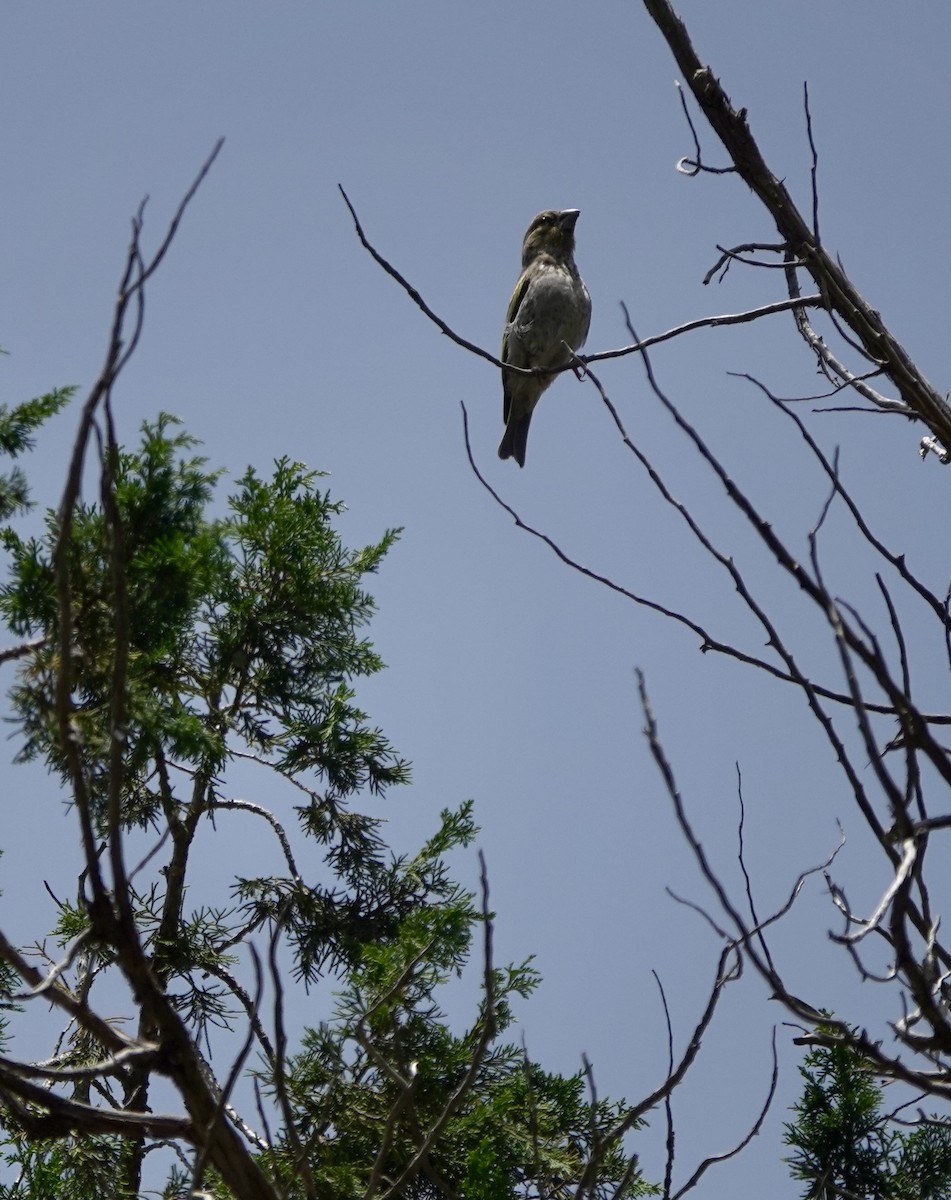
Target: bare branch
61,1117
63,998
279,1075
414,294
814,169
54,1073
753,314
237,805
895,560
668,1107
11,653
903,870
757,1125
728,969
732,128
832,366
201,1158
735,254
688,166
794,304
707,641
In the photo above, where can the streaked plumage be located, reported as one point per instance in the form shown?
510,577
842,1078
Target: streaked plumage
547,319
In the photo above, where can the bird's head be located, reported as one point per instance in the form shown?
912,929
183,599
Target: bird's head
551,232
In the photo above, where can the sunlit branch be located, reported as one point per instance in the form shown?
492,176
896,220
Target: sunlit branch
236,805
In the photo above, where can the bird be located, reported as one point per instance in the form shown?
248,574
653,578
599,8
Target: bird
546,323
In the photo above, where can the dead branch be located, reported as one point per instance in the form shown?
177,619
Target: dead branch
753,314
12,653
110,905
729,968
708,642
715,1159
732,128
924,982
794,304
60,1117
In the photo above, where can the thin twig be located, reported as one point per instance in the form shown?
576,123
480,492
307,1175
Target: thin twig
668,1107
757,1125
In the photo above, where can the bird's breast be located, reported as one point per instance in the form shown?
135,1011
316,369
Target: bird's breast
556,310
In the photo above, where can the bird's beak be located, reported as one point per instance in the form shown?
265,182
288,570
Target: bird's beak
567,219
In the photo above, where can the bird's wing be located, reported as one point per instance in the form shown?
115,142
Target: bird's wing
514,305
587,324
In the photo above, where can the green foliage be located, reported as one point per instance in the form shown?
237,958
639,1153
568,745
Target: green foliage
8,988
388,1063
239,637
71,1168
846,1147
237,628
17,426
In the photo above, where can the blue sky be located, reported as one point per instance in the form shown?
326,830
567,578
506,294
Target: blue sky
511,680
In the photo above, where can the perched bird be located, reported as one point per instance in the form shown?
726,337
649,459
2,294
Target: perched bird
547,320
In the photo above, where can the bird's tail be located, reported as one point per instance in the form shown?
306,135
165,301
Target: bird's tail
515,439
